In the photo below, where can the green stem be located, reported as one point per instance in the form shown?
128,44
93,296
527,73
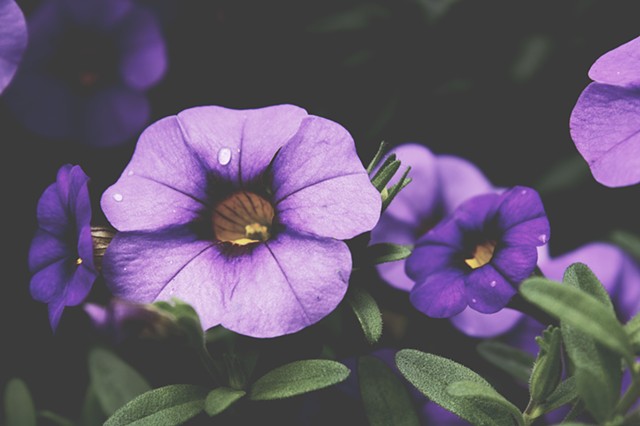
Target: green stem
632,394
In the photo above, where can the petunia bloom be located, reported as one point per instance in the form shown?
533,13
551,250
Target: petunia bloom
13,40
439,184
61,253
605,122
240,213
86,70
479,254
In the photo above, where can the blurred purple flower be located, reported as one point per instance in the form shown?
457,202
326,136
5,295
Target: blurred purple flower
13,40
240,213
605,122
86,70
479,254
61,254
439,184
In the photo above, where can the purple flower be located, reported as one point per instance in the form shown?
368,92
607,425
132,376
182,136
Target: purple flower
439,184
61,253
13,40
240,213
605,122
479,254
86,70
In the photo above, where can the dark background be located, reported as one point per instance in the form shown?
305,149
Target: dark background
493,81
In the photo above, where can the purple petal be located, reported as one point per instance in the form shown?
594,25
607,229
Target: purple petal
144,55
163,184
476,324
605,126
515,263
620,66
13,40
487,290
45,250
284,285
56,308
472,214
446,233
441,295
320,185
429,259
77,289
238,145
532,232
392,230
459,180
51,211
49,282
518,205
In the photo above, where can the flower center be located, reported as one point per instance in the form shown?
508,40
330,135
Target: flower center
79,261
243,218
481,255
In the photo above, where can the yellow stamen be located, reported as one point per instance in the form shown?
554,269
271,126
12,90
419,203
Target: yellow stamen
243,218
481,255
79,261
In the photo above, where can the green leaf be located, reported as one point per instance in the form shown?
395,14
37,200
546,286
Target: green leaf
388,252
627,241
432,374
166,406
565,393
92,414
395,189
514,361
220,399
580,310
186,318
385,398
547,369
297,378
564,175
633,331
579,275
632,419
384,174
55,418
479,394
378,156
18,405
367,312
114,381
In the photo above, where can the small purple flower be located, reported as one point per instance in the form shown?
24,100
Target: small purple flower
86,70
240,213
605,122
439,184
61,254
13,40
479,254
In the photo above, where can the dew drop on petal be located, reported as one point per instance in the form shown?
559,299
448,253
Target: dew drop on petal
474,301
523,192
118,197
224,156
130,173
493,283
543,238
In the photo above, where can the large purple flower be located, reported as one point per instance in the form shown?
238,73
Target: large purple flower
605,122
13,40
439,184
479,254
86,70
240,213
61,253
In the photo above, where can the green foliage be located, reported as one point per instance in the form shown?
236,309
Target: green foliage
185,317
19,409
220,399
513,361
547,370
482,396
564,393
385,173
385,398
382,148
166,406
114,381
395,189
366,310
633,330
297,378
92,414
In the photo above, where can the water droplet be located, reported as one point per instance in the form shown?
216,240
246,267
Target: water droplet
543,238
474,301
118,197
130,173
523,192
224,156
493,283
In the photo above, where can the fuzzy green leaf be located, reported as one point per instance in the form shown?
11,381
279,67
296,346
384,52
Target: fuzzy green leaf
18,405
547,369
114,381
297,378
633,330
166,406
395,189
220,399
378,156
385,173
482,396
54,418
388,252
513,361
386,399
92,414
565,393
366,310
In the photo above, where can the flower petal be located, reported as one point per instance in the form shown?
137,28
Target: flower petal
13,34
238,145
285,284
49,282
518,205
476,324
472,214
532,232
605,126
46,249
515,263
487,290
459,180
619,67
320,185
429,259
441,295
392,230
77,289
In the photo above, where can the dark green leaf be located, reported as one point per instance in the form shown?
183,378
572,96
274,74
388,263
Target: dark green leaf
385,173
18,405
565,393
114,381
633,330
220,399
573,424
166,406
547,369
388,252
627,241
632,419
580,310
386,399
579,275
367,312
186,318
378,156
432,374
55,418
395,189
297,378
481,395
92,414
564,175
514,361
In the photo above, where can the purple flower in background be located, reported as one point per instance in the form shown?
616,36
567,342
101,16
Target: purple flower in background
13,40
61,254
439,184
240,213
479,254
86,70
605,122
